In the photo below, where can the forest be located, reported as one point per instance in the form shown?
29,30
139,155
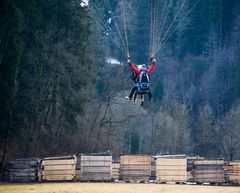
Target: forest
64,77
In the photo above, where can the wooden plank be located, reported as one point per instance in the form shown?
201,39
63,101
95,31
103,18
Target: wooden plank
132,167
60,157
58,162
22,179
171,179
127,173
171,162
25,162
58,178
208,162
28,170
22,174
96,158
202,172
115,165
135,179
58,172
98,163
134,159
22,166
234,163
210,180
172,173
96,178
177,168
59,167
96,169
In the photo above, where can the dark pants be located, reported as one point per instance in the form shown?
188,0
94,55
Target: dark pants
134,90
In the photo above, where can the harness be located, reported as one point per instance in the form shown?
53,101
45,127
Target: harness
143,84
134,76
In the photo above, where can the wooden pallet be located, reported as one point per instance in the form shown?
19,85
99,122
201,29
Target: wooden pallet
233,172
96,168
58,168
208,171
23,170
171,170
135,168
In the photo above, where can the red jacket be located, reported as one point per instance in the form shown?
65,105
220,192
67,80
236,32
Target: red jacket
135,69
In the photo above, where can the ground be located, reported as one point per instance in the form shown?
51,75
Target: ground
113,188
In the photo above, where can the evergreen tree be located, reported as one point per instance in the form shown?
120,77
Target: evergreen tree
11,46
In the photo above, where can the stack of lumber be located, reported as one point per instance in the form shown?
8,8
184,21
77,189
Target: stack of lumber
233,172
135,167
23,170
96,168
58,168
171,170
115,171
208,171
190,167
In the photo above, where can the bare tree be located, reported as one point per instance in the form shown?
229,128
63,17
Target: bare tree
205,145
228,134
172,131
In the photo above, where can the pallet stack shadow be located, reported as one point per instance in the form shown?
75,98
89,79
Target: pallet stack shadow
96,168
233,172
23,170
135,168
208,171
58,168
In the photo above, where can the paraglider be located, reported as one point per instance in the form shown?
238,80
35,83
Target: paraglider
142,84
115,28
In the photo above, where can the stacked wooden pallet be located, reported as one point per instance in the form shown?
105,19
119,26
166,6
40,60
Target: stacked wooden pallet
190,167
58,168
208,171
171,170
115,171
23,170
233,172
96,168
135,167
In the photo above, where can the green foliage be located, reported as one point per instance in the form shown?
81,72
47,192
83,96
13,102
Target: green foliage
45,66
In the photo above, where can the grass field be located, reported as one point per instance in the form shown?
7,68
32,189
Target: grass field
113,188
